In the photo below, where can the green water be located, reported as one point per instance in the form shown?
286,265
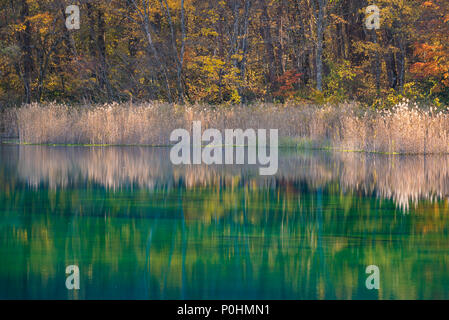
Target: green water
140,228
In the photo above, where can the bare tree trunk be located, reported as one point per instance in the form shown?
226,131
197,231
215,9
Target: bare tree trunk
319,15
104,69
235,44
401,63
390,62
27,59
280,66
303,48
176,58
244,48
183,44
376,63
145,25
392,75
270,75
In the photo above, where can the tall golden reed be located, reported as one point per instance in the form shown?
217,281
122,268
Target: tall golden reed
404,129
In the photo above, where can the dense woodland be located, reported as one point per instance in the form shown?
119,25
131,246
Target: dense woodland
234,51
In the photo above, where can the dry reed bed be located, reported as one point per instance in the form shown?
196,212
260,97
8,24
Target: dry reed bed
404,129
8,123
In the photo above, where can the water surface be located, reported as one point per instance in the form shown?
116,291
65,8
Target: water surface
140,228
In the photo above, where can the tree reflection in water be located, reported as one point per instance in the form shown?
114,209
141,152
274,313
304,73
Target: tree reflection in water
141,228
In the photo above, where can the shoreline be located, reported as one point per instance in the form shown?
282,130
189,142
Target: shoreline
281,146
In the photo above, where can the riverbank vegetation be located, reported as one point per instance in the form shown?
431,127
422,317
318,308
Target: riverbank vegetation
406,128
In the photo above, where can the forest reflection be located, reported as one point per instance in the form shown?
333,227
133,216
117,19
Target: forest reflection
140,228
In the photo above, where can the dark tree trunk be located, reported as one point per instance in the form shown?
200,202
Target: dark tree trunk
270,74
319,43
390,62
244,47
303,54
376,63
401,63
104,69
27,58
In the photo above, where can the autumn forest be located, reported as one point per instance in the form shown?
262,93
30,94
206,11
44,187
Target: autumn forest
215,52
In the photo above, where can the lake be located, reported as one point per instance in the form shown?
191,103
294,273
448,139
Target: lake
140,228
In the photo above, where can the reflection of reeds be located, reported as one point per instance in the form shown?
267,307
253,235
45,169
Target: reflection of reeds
308,246
404,129
404,179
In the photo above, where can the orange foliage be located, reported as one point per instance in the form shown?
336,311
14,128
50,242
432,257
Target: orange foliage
433,50
287,84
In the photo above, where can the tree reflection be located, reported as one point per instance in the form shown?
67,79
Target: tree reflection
140,228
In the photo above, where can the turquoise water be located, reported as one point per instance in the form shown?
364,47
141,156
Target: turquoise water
140,228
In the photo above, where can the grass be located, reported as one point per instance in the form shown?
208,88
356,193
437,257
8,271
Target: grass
405,129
